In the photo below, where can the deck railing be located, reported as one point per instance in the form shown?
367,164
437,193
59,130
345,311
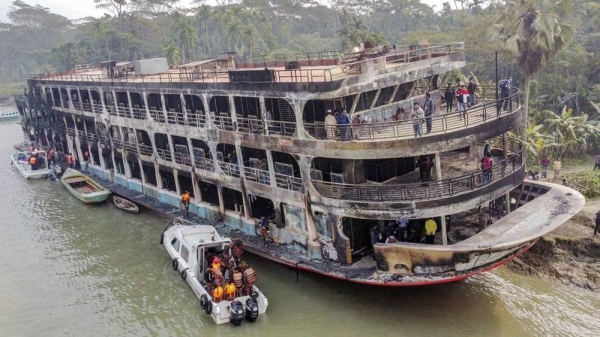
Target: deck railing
183,159
250,125
164,154
479,114
195,119
229,169
130,146
97,108
205,164
429,190
288,182
139,113
223,122
117,143
280,75
157,115
175,117
257,175
145,150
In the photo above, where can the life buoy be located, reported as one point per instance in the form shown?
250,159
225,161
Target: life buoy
174,264
162,238
203,301
184,274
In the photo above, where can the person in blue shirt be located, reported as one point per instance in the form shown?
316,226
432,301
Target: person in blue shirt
343,120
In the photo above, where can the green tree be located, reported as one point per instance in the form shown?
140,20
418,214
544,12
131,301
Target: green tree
172,54
187,36
535,32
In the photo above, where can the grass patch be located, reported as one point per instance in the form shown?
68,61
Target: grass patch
586,182
10,89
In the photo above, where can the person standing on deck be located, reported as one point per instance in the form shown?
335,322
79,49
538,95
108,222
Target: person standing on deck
70,160
462,96
430,229
330,124
449,98
472,88
557,167
402,225
185,202
417,116
429,110
545,163
504,93
343,122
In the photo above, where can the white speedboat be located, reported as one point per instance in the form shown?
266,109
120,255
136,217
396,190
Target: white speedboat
200,254
7,115
21,160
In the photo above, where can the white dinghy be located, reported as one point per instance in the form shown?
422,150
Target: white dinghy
22,161
213,268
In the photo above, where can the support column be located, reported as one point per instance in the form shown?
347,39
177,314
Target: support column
245,199
504,157
271,168
438,171
176,178
159,183
221,202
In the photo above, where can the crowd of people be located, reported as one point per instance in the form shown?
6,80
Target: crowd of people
403,230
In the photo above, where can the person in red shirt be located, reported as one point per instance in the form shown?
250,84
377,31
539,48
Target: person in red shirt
462,96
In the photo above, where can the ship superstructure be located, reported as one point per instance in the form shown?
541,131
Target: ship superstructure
248,139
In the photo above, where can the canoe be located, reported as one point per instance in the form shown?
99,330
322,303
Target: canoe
125,204
83,187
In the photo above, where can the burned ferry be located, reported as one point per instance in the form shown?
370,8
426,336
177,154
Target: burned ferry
248,138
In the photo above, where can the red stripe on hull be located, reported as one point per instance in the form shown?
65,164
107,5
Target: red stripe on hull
391,284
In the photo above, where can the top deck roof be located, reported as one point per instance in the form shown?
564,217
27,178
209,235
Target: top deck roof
320,68
196,234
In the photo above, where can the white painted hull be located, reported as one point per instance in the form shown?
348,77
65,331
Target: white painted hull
220,311
26,170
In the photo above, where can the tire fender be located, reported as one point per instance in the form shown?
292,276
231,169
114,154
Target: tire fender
184,274
174,264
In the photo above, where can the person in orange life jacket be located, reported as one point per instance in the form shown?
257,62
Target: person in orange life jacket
486,166
185,201
33,162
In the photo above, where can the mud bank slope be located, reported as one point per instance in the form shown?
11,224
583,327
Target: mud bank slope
569,255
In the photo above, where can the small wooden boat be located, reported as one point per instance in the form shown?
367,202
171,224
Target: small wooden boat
83,187
125,204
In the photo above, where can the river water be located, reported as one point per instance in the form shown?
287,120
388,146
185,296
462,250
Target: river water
67,269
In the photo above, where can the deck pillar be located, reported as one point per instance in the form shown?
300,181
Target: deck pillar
438,171
504,157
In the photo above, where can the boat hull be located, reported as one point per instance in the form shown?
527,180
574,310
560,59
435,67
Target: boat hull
26,171
88,198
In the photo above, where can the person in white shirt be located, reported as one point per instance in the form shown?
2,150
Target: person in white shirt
330,125
417,116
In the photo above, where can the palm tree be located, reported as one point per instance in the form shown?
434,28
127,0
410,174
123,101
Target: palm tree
187,36
172,54
234,31
572,133
535,34
249,38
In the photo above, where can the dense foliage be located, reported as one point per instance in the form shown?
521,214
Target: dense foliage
36,39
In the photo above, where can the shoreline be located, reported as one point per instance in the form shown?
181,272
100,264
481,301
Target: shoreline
569,255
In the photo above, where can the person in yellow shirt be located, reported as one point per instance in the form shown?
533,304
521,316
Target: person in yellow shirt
430,229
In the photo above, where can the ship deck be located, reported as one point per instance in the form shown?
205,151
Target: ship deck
521,229
310,71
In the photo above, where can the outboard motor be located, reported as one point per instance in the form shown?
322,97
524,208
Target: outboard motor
252,308
237,313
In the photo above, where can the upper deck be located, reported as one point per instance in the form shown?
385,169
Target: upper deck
318,67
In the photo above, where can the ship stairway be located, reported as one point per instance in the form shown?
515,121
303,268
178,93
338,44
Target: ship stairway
286,114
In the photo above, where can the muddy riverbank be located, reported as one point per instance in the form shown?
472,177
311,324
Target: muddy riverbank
569,255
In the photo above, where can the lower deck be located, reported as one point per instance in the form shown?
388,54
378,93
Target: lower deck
487,249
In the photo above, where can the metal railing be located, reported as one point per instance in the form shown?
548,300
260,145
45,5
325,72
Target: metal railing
139,113
71,131
229,169
175,117
429,190
145,150
129,146
164,154
479,114
250,125
183,158
205,164
281,128
257,175
77,105
117,143
97,108
157,115
288,182
195,119
293,75
223,122
111,110
123,111
86,106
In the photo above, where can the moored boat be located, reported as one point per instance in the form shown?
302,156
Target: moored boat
83,187
31,168
212,266
8,115
125,204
